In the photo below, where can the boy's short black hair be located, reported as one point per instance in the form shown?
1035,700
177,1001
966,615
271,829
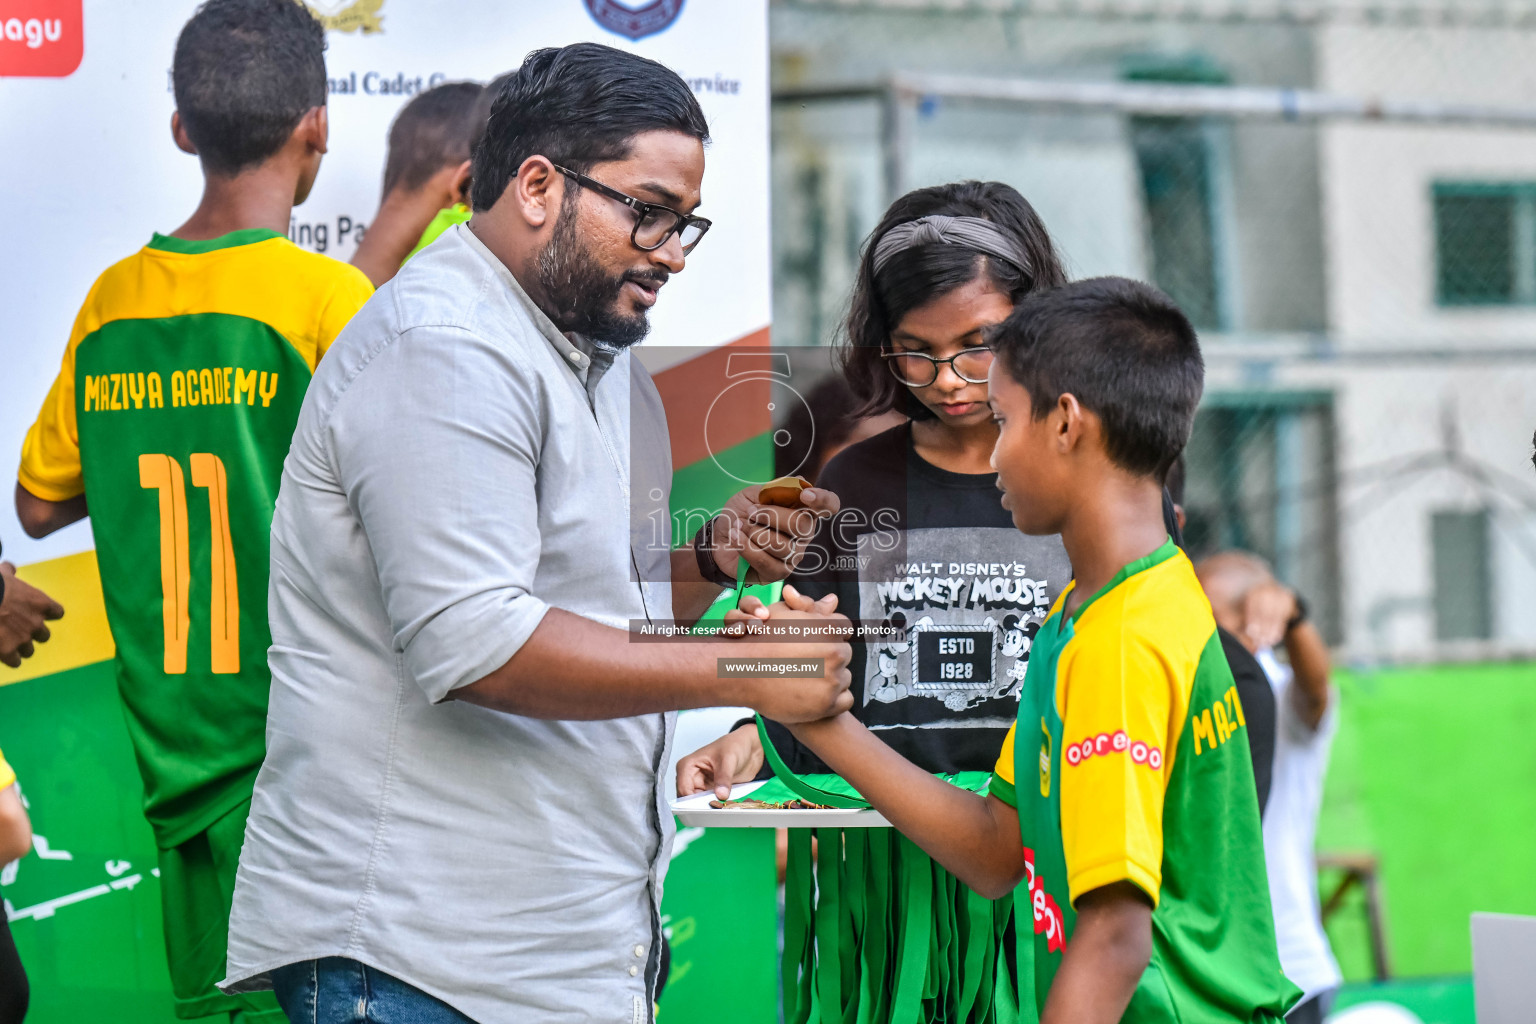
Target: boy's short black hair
1125,351
431,132
244,74
579,105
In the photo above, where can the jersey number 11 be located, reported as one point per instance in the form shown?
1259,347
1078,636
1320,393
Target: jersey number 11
163,473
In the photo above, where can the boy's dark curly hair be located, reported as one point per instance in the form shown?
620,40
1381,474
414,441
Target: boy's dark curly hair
245,72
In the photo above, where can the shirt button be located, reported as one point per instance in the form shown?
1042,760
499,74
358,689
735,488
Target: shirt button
639,951
633,970
575,357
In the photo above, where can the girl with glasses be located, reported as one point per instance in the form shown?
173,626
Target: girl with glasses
922,546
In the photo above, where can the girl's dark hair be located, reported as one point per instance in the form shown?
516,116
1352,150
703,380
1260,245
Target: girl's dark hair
914,277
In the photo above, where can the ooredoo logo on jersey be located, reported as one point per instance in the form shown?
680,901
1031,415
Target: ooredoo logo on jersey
41,38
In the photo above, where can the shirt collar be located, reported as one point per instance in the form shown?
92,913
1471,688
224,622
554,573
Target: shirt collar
578,355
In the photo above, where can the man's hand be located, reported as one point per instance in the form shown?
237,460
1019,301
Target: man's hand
1267,609
789,699
771,539
800,699
791,605
733,758
25,613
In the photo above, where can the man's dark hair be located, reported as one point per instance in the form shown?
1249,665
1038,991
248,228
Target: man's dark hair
245,73
1125,351
916,276
578,105
482,112
433,131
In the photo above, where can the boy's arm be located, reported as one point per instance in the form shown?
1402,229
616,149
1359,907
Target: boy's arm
403,216
1308,655
50,486
1110,948
976,838
40,517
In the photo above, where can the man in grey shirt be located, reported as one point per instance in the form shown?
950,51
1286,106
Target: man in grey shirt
460,816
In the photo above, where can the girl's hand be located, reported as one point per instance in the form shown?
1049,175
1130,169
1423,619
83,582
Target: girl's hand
733,758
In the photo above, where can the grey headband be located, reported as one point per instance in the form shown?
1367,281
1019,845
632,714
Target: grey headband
938,229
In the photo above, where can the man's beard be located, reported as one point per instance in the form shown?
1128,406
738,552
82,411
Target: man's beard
582,298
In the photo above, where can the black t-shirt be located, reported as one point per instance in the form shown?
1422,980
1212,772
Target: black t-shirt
936,554
1258,699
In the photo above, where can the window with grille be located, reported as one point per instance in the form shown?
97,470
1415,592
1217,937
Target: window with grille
1485,244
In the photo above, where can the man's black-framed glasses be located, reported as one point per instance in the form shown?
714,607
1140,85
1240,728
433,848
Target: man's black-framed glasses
653,224
918,369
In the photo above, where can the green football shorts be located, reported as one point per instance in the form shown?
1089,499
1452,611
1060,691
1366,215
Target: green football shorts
197,883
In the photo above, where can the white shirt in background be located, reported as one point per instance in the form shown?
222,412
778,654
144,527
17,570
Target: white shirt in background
1290,833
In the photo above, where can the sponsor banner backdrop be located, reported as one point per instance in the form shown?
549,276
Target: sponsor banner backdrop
87,172
88,169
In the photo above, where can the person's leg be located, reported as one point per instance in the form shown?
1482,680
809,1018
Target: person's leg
196,883
336,990
14,993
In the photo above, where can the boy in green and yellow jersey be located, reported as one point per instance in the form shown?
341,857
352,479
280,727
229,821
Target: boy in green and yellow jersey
171,417
1124,798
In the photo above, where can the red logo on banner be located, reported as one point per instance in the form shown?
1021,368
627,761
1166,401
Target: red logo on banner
41,38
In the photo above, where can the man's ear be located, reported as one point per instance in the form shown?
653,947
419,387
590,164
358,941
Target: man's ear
179,134
537,191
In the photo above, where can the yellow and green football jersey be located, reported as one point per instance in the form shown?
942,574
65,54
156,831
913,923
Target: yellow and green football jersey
173,412
1129,763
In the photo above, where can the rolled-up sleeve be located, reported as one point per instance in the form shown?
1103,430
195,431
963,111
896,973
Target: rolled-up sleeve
436,445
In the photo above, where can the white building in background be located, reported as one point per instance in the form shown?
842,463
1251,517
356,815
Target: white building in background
1366,291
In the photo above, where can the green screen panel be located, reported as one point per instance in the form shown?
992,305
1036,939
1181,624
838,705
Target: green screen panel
85,903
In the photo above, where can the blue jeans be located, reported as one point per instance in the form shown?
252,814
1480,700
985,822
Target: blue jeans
336,990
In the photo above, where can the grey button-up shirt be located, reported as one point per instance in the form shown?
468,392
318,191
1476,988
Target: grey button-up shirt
459,467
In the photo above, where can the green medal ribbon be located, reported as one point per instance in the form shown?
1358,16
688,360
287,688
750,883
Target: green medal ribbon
874,931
